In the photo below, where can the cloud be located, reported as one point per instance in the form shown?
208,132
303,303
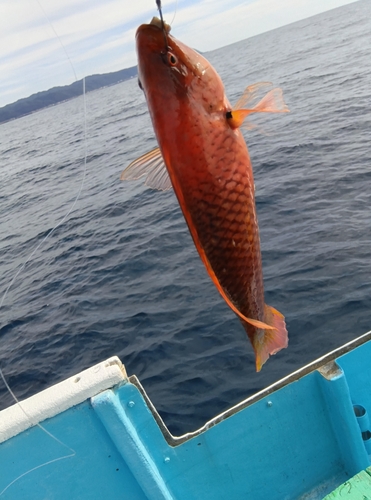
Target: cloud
98,35
234,20
32,54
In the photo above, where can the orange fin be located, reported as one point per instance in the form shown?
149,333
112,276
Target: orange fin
237,117
210,270
254,322
252,95
270,341
272,102
152,165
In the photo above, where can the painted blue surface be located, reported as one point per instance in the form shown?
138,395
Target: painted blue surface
95,471
300,439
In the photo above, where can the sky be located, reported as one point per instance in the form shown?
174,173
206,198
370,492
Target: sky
47,43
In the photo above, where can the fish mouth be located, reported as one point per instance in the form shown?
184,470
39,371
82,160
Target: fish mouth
162,25
155,38
155,33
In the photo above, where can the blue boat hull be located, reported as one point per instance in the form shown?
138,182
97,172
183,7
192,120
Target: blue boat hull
299,438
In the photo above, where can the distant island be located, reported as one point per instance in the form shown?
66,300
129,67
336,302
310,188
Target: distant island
59,94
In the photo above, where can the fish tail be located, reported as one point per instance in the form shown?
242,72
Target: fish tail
267,342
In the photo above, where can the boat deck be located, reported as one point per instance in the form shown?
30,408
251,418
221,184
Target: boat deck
357,488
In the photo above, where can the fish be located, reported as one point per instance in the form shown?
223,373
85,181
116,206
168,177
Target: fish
203,156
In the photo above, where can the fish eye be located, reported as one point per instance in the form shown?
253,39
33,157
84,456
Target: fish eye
172,59
140,84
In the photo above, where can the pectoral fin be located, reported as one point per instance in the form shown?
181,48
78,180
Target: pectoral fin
250,102
152,166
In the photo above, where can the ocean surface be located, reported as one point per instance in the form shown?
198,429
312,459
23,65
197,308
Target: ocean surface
120,276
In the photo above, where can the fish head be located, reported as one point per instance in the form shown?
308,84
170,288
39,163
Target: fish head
171,73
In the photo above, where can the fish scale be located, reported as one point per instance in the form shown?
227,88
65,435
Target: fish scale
226,215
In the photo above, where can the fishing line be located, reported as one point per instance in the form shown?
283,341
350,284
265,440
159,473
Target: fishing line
19,404
58,37
72,454
22,267
62,220
159,8
175,13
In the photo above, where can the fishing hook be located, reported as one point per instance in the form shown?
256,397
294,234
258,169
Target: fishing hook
158,3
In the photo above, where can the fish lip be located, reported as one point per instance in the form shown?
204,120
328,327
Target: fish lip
147,27
148,35
148,30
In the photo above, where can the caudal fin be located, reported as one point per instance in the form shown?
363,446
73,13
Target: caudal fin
267,342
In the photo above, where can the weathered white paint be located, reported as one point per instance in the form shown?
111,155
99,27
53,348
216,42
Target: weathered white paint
60,397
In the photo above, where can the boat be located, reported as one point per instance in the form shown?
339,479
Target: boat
97,435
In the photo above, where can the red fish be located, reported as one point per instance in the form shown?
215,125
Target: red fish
202,154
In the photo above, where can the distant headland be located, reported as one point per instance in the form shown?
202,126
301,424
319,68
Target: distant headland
59,94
